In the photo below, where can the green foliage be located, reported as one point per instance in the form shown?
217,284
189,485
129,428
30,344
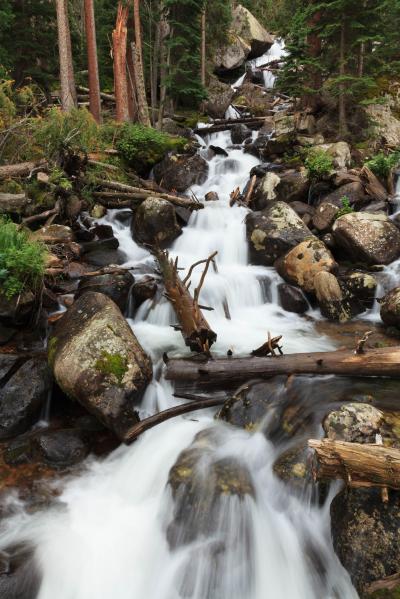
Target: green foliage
318,163
112,364
382,164
346,208
22,262
142,147
8,109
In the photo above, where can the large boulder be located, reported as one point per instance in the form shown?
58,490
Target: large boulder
293,186
155,223
23,394
178,172
371,238
353,191
246,26
332,299
361,285
324,216
302,263
292,299
97,360
274,231
220,96
387,126
233,55
354,423
390,308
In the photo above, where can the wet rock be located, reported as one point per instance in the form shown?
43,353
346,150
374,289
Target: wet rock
22,397
325,216
332,300
265,147
97,360
329,241
115,286
363,286
368,238
217,151
62,448
178,172
273,232
265,191
18,310
211,196
376,206
143,290
390,308
355,423
155,223
102,256
22,584
239,133
301,264
293,466
292,299
261,169
365,535
7,363
110,243
353,192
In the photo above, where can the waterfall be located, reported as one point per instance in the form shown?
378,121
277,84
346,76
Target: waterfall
107,535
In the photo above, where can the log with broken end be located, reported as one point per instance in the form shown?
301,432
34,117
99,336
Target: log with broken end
374,362
22,169
195,329
358,464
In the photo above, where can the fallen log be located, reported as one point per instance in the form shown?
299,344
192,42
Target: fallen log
142,193
42,216
358,464
390,583
13,202
256,122
104,96
374,362
147,423
195,329
23,169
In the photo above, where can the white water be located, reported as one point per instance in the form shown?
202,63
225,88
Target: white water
107,537
276,52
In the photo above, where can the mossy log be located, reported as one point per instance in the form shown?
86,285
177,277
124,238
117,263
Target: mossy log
359,464
374,362
194,327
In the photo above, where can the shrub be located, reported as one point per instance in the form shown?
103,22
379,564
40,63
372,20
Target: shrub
382,164
142,147
318,163
22,262
346,208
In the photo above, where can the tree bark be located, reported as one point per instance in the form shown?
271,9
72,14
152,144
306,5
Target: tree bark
203,47
67,79
143,108
195,329
342,87
93,66
132,95
156,66
119,37
165,59
22,169
374,362
359,464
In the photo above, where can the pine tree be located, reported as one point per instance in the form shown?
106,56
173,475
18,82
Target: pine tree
93,67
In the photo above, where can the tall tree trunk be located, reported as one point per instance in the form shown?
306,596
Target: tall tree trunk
120,37
132,97
203,47
165,59
361,57
314,51
156,66
143,109
67,79
93,66
342,87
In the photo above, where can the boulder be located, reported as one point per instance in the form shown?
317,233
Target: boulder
178,172
369,238
246,27
211,196
387,126
97,360
363,286
53,234
62,448
220,96
353,191
264,191
115,286
155,223
265,147
239,133
354,423
340,152
292,299
293,186
143,290
325,216
274,231
18,310
23,396
390,308
254,98
334,301
284,124
233,55
302,263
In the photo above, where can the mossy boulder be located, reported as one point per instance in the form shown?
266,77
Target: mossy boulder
97,360
390,308
155,223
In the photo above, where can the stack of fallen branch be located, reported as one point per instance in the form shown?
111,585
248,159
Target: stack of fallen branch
195,329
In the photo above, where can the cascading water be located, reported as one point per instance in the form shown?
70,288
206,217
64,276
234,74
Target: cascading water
108,534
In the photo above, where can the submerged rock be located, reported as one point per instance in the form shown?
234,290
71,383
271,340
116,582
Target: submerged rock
178,172
155,223
97,360
369,238
273,232
292,299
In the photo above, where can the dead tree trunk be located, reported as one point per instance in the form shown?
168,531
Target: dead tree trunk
93,66
143,108
342,86
195,329
119,38
374,362
359,464
67,80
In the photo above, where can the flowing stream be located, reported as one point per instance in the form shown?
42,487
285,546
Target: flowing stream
107,536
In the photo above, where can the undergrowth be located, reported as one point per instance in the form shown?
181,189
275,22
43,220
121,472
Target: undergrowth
318,163
346,208
382,164
22,262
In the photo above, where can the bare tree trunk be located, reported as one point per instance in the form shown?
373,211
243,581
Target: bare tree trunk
165,59
119,37
67,80
314,50
93,67
132,97
361,57
156,69
203,47
143,109
342,88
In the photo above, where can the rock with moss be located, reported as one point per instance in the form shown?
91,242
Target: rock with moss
274,231
115,286
390,308
363,286
180,171
220,96
354,423
371,238
155,223
97,360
